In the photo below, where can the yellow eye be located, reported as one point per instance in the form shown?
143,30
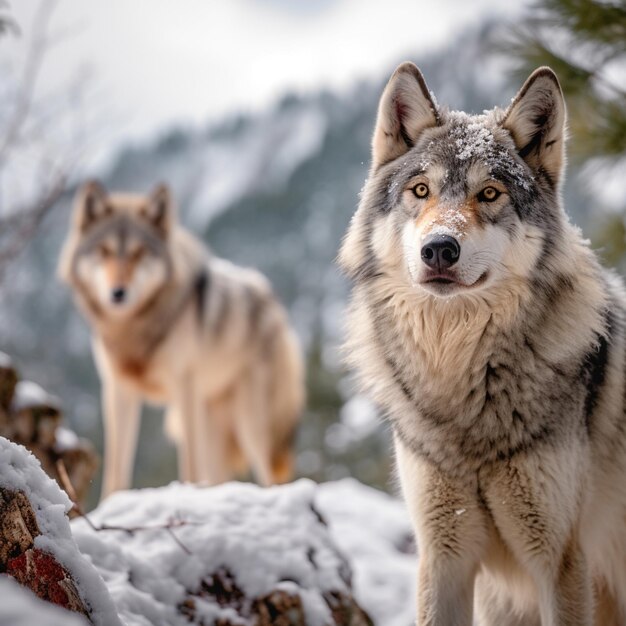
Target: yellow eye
489,194
105,252
420,190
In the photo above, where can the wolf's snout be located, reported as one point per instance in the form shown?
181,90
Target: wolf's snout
118,295
441,252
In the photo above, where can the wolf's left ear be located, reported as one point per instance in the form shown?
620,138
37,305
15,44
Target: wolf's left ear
406,108
536,120
160,209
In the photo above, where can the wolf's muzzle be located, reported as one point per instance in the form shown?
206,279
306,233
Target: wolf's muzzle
440,252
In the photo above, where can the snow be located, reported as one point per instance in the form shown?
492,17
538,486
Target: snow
266,538
21,607
449,222
302,537
21,471
261,157
29,394
65,439
5,360
474,139
373,530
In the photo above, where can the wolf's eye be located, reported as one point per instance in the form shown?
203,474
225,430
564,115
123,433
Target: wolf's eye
420,190
105,252
489,194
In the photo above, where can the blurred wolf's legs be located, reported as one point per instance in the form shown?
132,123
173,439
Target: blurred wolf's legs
251,422
201,444
283,462
121,408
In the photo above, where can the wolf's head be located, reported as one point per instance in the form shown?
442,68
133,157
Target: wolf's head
455,204
117,254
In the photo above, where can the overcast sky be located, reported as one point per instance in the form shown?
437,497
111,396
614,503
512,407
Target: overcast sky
160,62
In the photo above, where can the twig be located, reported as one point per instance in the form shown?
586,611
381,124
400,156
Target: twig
168,527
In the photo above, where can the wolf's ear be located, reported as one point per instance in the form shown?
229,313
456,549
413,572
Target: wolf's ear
90,204
406,108
536,121
160,208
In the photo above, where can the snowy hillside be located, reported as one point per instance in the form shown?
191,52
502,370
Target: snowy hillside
336,554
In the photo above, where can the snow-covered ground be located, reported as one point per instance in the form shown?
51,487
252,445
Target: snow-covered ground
265,538
182,552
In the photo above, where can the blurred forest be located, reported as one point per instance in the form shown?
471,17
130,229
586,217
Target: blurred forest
584,41
276,190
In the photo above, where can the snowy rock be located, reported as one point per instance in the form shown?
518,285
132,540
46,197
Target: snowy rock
36,544
232,555
32,417
374,532
20,607
8,382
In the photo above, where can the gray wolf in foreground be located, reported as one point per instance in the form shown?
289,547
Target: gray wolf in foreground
176,326
486,330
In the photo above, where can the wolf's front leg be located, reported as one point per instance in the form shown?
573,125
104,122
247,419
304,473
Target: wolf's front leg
202,448
451,532
121,409
535,502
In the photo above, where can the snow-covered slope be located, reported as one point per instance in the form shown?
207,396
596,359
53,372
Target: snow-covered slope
301,538
333,554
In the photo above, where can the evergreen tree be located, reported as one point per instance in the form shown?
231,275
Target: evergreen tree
584,41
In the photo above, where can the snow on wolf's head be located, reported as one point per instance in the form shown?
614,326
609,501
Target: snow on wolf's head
117,251
455,204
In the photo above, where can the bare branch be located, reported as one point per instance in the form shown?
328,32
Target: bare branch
26,91
168,527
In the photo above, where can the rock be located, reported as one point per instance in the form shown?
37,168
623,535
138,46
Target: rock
280,607
232,555
37,549
41,573
20,607
32,417
18,525
8,382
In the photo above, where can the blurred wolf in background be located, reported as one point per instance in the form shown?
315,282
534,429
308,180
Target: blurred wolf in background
176,326
493,341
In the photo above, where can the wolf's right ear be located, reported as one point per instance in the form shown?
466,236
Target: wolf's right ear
90,204
160,210
536,120
406,108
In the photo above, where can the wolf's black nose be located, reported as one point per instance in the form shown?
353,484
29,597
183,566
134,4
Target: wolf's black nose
441,252
118,294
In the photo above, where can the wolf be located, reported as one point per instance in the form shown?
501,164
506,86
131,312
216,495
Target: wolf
492,340
176,326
